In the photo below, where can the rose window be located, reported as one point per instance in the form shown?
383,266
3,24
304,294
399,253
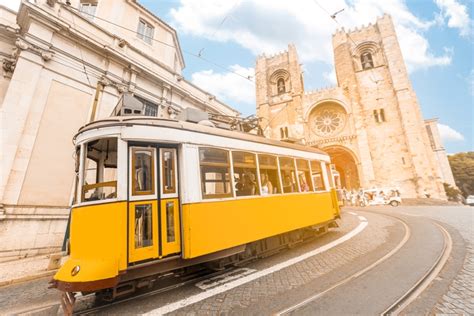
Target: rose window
328,120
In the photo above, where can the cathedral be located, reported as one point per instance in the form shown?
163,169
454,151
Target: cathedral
370,123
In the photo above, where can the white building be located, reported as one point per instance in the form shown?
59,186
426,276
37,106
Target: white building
63,66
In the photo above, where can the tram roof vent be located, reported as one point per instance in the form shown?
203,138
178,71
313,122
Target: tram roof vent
193,115
128,105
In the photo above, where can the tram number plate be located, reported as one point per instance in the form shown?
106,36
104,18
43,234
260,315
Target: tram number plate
224,278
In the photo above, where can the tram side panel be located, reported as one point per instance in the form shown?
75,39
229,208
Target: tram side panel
210,226
213,226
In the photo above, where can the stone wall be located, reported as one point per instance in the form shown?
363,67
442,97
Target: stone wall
384,133
55,63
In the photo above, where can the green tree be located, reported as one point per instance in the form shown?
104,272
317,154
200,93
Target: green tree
453,194
462,165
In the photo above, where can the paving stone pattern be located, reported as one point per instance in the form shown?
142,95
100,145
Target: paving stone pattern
294,276
459,300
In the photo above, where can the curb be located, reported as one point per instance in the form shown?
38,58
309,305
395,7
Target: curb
28,278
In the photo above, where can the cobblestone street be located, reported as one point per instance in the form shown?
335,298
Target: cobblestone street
275,291
460,297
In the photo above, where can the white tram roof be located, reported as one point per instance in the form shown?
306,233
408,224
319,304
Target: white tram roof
139,128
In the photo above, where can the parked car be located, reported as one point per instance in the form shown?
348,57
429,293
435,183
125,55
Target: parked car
381,196
470,200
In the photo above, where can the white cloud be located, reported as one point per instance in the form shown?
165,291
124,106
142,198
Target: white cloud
267,26
11,4
330,77
456,14
230,88
449,134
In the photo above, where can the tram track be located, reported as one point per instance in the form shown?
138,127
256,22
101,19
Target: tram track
186,280
409,296
426,279
393,309
189,280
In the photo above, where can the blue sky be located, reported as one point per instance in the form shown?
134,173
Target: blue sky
436,37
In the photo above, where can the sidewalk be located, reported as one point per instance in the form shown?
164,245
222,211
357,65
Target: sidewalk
27,269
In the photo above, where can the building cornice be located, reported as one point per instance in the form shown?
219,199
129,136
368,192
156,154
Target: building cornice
34,12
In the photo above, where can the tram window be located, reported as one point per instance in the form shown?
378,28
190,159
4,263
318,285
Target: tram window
143,226
304,177
245,173
330,176
317,174
288,175
168,169
100,170
215,173
143,182
270,180
170,233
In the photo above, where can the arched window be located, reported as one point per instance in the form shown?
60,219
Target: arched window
281,86
366,61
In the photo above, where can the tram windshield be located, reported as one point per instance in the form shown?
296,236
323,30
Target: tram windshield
100,170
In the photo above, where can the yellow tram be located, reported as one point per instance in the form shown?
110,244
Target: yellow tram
154,195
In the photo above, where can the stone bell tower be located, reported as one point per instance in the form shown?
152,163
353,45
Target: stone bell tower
370,67
279,92
370,123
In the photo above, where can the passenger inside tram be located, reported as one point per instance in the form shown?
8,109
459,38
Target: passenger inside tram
303,184
288,185
267,187
245,182
269,167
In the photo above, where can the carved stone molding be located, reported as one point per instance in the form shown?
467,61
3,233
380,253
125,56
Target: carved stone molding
8,66
173,112
22,44
121,87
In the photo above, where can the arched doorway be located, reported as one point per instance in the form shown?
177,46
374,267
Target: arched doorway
346,166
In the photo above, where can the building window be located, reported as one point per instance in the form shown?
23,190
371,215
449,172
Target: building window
215,173
379,115
150,108
88,9
145,31
284,132
281,86
431,137
382,115
366,61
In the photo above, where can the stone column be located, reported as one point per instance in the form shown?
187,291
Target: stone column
14,112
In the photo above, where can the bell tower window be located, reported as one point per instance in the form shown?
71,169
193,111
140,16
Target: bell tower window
366,61
281,86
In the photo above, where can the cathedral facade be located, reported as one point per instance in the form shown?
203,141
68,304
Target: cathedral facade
370,123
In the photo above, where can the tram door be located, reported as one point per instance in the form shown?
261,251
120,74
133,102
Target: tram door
154,223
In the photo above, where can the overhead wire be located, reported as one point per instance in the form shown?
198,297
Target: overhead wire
198,55
82,57
333,17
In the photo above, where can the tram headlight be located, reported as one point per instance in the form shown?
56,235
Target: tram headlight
75,270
